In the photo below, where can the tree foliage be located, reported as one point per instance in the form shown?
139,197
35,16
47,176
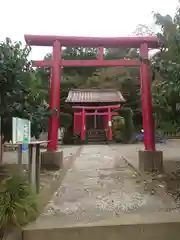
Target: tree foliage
17,201
166,63
21,94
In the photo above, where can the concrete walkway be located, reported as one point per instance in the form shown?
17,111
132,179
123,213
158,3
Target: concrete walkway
101,186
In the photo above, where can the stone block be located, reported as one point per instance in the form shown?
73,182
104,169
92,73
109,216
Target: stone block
52,160
150,161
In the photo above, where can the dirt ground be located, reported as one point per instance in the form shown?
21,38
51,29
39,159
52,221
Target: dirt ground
171,162
171,153
11,156
47,178
100,185
102,182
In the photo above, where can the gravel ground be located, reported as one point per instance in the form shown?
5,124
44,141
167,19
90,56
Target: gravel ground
101,185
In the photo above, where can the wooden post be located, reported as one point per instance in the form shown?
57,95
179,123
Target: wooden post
37,166
30,158
0,143
19,152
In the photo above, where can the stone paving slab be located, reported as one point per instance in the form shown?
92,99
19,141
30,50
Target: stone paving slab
99,186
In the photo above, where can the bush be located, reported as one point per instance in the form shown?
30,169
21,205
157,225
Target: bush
76,138
118,124
66,122
128,130
68,136
17,202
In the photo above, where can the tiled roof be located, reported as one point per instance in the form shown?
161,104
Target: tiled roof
94,95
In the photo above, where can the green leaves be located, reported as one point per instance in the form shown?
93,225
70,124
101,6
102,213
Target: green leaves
166,64
17,201
21,87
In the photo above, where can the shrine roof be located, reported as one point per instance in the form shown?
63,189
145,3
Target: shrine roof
95,96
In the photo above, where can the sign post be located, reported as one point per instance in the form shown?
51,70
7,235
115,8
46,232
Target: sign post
21,134
21,131
22,137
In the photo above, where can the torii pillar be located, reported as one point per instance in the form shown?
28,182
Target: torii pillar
150,159
53,158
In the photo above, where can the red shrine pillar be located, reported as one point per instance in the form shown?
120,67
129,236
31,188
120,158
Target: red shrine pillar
149,140
74,122
54,97
83,124
149,159
50,104
109,125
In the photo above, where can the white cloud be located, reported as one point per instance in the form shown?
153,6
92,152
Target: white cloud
77,17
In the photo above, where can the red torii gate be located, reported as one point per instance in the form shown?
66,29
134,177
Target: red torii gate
109,114
56,63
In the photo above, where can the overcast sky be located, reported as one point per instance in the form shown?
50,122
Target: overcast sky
77,17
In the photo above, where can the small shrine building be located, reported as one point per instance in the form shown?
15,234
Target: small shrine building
94,109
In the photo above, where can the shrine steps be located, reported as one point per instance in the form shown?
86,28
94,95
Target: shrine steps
96,137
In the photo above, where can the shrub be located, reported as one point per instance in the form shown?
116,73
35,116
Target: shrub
66,122
17,202
68,136
76,137
128,130
118,124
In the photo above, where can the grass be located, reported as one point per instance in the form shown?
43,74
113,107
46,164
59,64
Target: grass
18,203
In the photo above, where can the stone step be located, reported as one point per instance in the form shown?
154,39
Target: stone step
96,137
156,226
97,140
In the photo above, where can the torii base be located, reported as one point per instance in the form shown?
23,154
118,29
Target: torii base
150,161
52,160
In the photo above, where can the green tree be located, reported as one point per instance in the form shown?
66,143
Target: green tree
166,64
20,88
121,78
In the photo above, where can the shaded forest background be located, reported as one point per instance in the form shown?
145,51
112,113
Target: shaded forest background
24,91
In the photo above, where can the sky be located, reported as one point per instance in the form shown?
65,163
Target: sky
101,18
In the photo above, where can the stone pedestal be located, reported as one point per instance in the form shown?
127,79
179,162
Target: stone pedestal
52,160
150,161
